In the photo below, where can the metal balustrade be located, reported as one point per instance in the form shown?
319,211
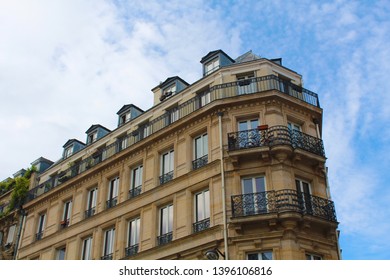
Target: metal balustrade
201,225
275,135
200,162
135,192
282,201
131,250
217,92
164,239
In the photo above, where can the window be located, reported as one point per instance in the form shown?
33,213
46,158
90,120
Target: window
265,256
136,181
170,90
133,237
211,66
145,130
11,235
108,245
254,195
68,152
248,133
92,137
166,167
86,252
201,149
312,257
66,214
112,195
304,195
123,142
166,225
60,253
293,126
41,226
124,118
246,84
173,115
91,203
202,211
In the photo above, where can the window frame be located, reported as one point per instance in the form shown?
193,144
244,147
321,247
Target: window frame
112,192
212,66
66,213
260,255
108,243
11,235
86,247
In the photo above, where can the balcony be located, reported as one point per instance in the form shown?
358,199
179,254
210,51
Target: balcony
131,250
164,238
201,225
282,201
107,257
90,212
166,177
218,92
38,235
275,135
200,162
111,202
135,192
64,224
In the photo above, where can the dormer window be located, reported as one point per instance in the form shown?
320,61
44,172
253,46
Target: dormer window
211,66
68,152
92,137
168,91
124,118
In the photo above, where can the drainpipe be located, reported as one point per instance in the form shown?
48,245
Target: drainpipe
23,214
225,229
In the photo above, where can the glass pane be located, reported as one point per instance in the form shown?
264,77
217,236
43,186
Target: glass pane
254,124
242,126
247,186
266,255
200,215
170,219
207,204
253,256
260,184
198,147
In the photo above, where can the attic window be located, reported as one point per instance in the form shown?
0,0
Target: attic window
124,118
211,66
68,151
92,137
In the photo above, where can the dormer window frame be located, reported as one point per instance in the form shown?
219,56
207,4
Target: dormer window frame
124,117
169,90
68,151
92,137
215,64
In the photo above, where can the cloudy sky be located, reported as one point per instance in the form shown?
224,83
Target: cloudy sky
65,65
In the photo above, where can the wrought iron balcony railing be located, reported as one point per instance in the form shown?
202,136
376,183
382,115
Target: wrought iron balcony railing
217,92
38,235
111,202
135,192
131,250
275,135
164,238
200,162
107,257
282,201
201,225
165,178
90,212
64,223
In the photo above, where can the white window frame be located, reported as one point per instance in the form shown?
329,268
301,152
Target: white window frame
202,203
136,177
109,241
133,232
92,198
166,219
68,151
257,204
41,223
11,234
67,211
294,126
204,146
59,255
92,137
113,187
167,162
86,250
125,117
261,255
211,66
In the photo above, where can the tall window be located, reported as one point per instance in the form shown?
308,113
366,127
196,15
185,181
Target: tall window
112,195
173,115
201,150
68,152
11,234
86,252
293,126
41,226
248,134
202,211
211,66
60,253
66,214
136,181
166,167
304,195
166,225
108,245
312,257
265,256
91,203
254,195
246,84
133,237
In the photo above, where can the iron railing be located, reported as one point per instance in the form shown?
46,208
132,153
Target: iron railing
201,225
164,238
275,135
165,178
135,192
38,235
217,92
90,212
111,202
200,162
64,223
131,250
282,201
107,257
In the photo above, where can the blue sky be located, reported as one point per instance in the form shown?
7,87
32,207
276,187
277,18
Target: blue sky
65,65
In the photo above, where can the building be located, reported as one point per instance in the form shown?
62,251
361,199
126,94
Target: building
231,166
